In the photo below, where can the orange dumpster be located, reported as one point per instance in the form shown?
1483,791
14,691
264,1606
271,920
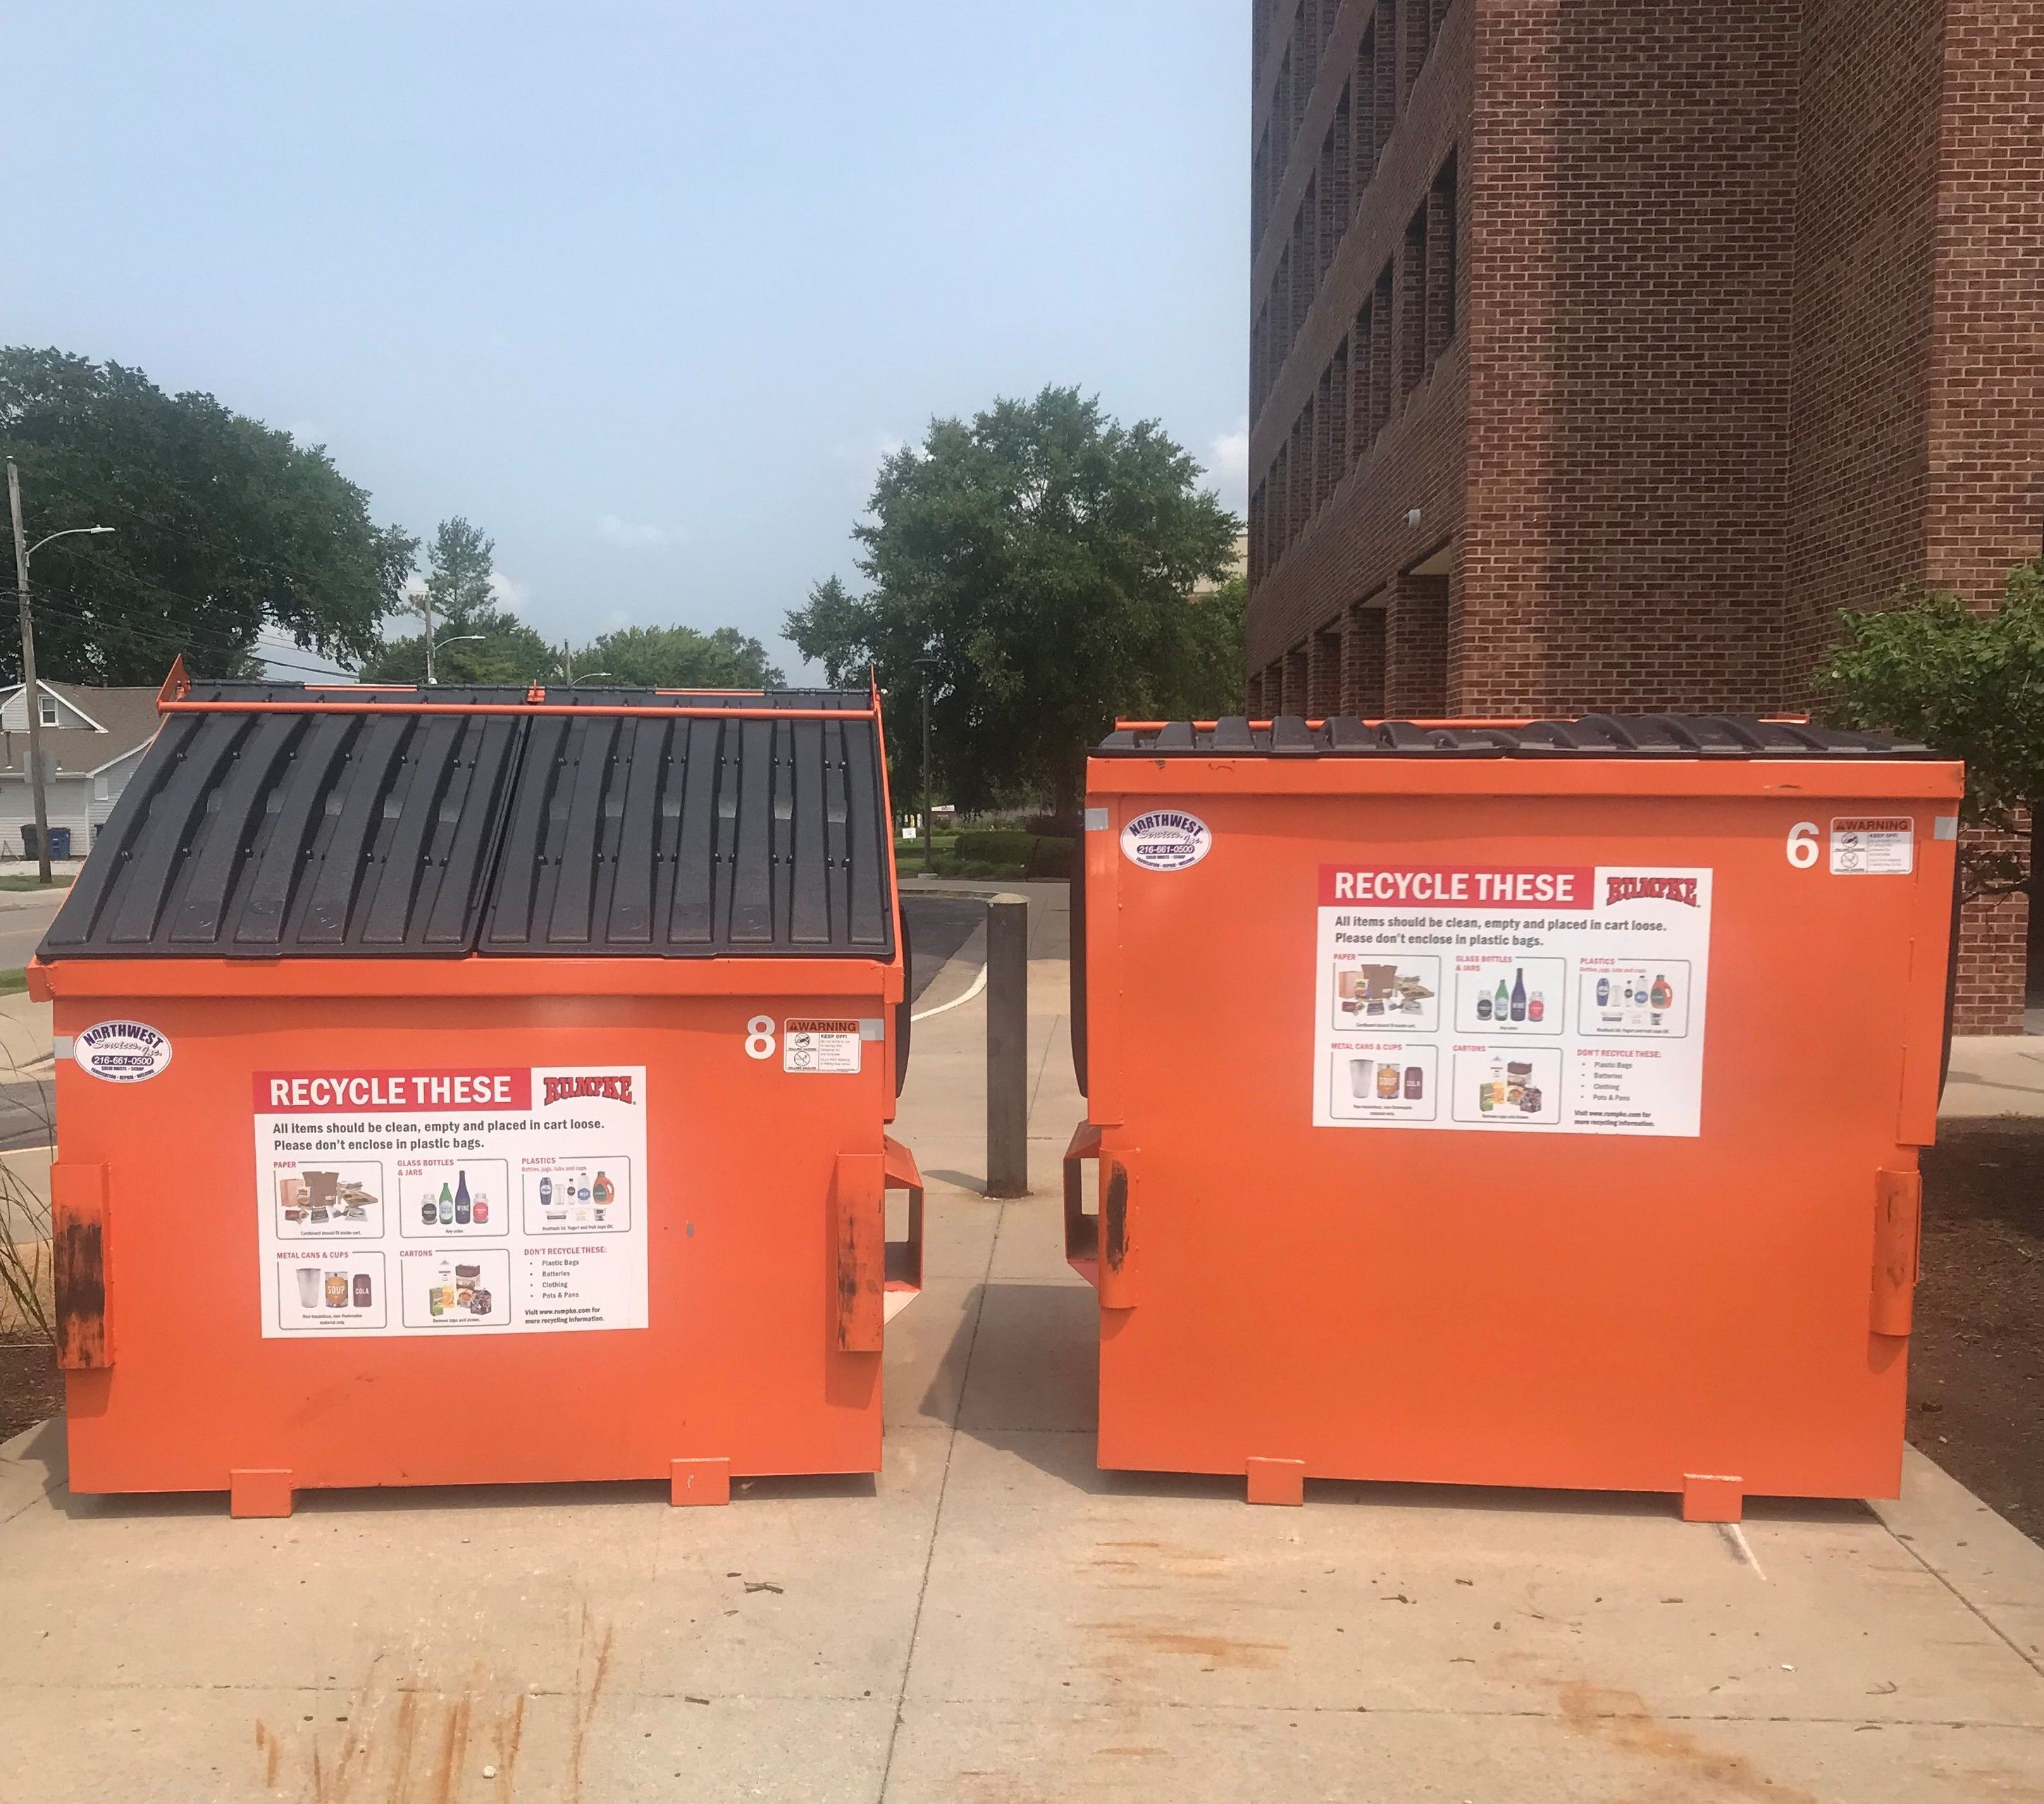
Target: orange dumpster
1530,1105
465,1085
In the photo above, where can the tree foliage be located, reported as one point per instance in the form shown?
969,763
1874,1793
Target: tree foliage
223,526
679,657
483,641
1967,683
1044,556
492,644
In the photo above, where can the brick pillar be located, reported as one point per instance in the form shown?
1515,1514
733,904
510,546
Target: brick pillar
1252,695
1362,663
1292,691
1412,323
1994,946
1415,663
1324,667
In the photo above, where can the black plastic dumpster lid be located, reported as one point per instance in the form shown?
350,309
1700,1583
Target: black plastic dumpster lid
293,822
1597,736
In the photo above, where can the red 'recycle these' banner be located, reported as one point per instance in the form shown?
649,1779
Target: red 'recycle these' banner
1476,886
282,1092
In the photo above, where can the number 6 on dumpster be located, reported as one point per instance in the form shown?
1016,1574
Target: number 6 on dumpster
759,1037
1803,844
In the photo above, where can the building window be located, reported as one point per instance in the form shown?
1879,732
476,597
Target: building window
48,710
101,789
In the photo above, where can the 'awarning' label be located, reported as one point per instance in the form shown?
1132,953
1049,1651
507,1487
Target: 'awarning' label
1875,846
820,1048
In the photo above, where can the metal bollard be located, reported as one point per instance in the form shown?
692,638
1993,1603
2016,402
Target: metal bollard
1007,1046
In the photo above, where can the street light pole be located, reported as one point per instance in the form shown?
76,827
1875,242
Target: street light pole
31,695
929,813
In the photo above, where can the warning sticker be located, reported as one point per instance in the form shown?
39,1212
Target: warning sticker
1562,998
828,1049
431,1201
1878,846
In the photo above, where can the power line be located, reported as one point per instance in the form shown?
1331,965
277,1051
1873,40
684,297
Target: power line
182,642
149,523
95,608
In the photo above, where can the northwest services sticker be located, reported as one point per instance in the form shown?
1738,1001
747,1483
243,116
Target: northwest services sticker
121,1052
1165,840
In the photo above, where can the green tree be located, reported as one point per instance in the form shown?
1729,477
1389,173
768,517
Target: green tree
492,644
1045,556
224,527
1964,682
680,657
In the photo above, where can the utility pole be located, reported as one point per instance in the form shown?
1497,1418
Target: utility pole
929,664
426,606
31,697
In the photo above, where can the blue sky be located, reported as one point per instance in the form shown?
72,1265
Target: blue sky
644,289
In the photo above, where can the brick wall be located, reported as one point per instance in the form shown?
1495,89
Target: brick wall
1871,78
1986,399
1994,935
1631,191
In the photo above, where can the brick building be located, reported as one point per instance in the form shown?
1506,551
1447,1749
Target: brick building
1602,350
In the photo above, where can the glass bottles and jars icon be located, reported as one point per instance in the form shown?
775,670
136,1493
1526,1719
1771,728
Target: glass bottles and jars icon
454,1207
1513,1003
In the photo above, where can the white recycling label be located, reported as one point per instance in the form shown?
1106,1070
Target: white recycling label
1561,999
414,1202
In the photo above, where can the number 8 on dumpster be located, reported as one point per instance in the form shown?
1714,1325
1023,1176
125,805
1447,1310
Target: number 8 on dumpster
759,1037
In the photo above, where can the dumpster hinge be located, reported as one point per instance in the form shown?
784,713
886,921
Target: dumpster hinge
1898,1226
1097,1247
78,1248
858,1235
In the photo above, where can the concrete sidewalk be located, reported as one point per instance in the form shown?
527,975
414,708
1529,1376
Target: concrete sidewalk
2000,1076
997,1622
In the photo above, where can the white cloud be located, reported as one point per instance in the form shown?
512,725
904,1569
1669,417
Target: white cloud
1227,464
865,457
633,536
508,591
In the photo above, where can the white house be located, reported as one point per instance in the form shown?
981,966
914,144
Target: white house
92,739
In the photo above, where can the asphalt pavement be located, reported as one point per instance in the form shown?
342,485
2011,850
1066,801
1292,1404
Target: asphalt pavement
24,918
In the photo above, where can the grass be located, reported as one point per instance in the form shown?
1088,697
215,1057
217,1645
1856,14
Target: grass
1001,853
14,983
59,880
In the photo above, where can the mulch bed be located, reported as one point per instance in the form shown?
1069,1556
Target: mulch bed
1977,1359
31,1386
